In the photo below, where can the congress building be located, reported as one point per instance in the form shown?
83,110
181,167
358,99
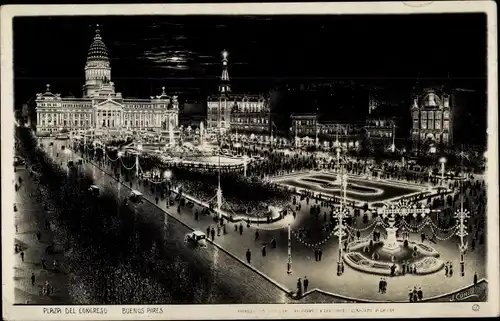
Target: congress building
101,108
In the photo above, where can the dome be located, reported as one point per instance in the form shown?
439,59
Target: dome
97,50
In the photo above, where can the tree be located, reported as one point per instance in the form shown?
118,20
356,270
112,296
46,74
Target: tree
366,147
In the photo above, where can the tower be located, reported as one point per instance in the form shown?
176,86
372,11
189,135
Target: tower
97,68
224,85
223,110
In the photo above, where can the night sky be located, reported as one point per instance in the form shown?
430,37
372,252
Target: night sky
265,52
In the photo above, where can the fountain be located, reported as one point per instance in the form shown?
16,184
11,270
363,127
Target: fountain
393,256
391,244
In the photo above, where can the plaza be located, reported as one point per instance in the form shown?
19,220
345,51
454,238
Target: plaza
360,190
353,284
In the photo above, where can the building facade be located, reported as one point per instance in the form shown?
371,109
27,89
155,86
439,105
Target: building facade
237,113
102,108
250,114
309,129
431,119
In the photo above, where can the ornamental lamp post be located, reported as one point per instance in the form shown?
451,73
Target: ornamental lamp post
462,215
338,150
339,231
245,161
289,260
442,160
139,150
167,175
393,146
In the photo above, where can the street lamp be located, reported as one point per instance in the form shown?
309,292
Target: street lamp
167,175
340,229
462,215
393,146
245,160
338,150
442,160
289,261
139,150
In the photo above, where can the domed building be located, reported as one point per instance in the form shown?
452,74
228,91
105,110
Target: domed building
101,108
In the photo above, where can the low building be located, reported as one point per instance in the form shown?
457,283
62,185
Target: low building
250,115
310,129
381,125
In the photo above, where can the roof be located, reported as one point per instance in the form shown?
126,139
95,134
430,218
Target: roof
199,233
136,192
97,50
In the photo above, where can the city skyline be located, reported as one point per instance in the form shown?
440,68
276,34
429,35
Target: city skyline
183,53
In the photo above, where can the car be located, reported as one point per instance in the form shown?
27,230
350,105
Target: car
135,196
197,238
71,164
94,190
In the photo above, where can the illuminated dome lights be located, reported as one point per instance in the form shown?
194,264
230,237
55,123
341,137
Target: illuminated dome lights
98,50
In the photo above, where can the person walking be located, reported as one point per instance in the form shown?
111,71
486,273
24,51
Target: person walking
299,287
475,279
208,231
22,256
273,243
257,235
249,256
32,278
264,250
320,253
420,294
43,263
212,233
306,284
241,228
316,255
38,235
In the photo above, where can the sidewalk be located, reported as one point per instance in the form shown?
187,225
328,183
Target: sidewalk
30,218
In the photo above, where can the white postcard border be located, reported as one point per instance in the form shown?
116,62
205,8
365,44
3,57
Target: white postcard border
252,311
